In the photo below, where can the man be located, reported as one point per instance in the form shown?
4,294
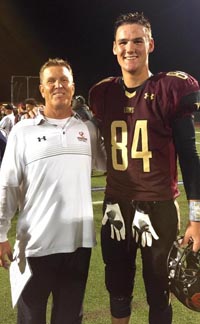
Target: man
30,103
41,175
21,111
8,120
3,141
23,108
145,120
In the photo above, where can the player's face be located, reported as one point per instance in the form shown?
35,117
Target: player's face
57,87
132,46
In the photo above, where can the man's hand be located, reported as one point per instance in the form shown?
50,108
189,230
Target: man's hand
115,218
192,232
6,255
142,229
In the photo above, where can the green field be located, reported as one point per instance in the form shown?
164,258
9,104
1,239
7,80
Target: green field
96,306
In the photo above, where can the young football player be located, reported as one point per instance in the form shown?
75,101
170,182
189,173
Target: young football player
146,121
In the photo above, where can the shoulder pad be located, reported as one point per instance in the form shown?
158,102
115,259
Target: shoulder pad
178,74
105,80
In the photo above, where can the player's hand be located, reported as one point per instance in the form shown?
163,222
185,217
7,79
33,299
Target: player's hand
192,232
114,216
142,229
34,112
6,255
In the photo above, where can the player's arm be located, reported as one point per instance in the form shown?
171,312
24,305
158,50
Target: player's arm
96,102
97,146
185,143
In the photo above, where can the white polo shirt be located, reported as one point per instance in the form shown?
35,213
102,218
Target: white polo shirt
46,170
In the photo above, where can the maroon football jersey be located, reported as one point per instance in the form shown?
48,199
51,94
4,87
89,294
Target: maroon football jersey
138,134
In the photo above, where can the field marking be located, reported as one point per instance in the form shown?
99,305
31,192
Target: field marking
97,202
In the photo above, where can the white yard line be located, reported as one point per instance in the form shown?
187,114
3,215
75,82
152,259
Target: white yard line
97,202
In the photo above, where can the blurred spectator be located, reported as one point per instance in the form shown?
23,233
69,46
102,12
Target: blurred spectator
2,112
30,103
21,110
3,141
24,108
80,108
8,120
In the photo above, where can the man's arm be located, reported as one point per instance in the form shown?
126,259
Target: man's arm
184,138
8,207
97,146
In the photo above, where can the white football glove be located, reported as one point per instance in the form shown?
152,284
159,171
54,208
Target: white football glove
114,215
142,229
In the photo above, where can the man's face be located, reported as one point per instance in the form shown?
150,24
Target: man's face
57,87
132,46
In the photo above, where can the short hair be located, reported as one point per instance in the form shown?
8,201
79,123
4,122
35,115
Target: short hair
54,62
30,101
132,18
8,106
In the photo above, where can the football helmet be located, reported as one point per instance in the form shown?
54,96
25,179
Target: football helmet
184,274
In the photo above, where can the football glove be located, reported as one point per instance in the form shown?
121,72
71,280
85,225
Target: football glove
114,216
142,229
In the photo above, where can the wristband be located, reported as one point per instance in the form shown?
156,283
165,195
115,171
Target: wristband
194,211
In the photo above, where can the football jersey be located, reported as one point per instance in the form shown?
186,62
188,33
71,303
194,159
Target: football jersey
137,130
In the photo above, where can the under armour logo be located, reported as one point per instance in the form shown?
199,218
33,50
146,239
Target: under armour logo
149,96
41,138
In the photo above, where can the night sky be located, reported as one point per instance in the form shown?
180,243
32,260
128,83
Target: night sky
81,31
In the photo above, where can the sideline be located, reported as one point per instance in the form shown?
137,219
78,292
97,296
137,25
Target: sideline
97,202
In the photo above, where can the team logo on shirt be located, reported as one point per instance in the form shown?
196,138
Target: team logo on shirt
149,96
82,137
130,94
129,110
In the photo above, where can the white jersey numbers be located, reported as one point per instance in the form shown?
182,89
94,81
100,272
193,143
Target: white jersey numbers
139,147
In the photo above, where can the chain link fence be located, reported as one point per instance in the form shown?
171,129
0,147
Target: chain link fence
24,86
